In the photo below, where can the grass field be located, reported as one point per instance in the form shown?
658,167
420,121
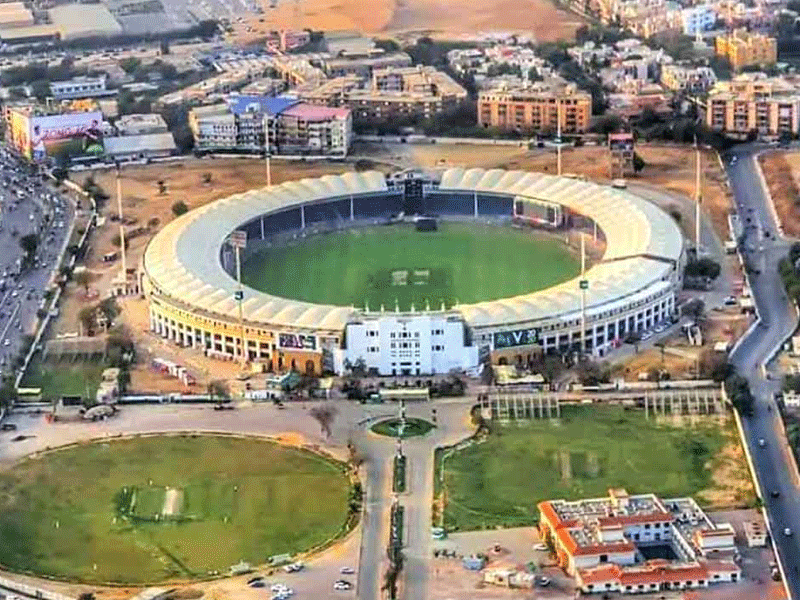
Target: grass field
64,378
66,514
464,262
501,480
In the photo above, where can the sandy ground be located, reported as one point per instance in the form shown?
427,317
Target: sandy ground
447,20
782,172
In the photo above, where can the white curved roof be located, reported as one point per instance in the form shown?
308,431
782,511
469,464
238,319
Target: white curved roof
642,242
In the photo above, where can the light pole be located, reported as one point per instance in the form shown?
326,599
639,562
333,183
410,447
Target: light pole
698,194
122,231
584,285
267,150
238,241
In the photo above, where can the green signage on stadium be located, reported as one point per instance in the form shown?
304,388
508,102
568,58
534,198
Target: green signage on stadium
520,337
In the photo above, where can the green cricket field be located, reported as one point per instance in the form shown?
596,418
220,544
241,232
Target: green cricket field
397,266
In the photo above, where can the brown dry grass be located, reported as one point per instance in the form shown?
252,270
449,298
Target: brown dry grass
782,171
445,20
732,483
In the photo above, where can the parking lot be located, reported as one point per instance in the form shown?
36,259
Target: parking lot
28,205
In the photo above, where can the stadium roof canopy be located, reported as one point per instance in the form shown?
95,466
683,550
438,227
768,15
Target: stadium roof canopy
643,247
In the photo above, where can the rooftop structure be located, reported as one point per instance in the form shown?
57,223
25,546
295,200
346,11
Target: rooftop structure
138,124
15,14
605,543
75,21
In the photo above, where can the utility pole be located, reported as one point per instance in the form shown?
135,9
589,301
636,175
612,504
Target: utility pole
267,150
238,240
698,195
558,137
121,230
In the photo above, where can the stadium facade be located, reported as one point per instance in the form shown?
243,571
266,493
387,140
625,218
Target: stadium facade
188,272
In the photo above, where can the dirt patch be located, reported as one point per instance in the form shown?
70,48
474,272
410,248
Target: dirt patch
447,20
732,484
782,172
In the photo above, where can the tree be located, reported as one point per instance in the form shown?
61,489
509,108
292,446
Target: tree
86,320
638,163
218,389
324,415
8,394
83,278
29,243
179,208
206,178
153,222
162,186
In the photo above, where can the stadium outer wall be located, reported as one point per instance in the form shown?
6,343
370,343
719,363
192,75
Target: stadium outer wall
632,288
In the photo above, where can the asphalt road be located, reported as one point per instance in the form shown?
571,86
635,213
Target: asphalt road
27,205
778,321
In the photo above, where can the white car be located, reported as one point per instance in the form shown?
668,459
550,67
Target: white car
762,442
347,570
342,585
541,547
787,532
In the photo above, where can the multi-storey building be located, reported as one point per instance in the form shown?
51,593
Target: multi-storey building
605,543
213,128
697,19
743,48
390,94
311,129
768,106
244,122
680,78
536,108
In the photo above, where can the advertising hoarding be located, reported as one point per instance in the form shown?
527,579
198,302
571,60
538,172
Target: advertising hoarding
519,337
296,341
75,135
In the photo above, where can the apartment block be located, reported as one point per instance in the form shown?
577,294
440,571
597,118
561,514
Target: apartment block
743,48
678,78
768,106
244,123
390,94
536,108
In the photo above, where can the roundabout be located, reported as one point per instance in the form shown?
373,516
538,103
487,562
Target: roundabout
395,427
148,509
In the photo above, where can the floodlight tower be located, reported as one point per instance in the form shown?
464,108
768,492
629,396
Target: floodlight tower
121,229
698,196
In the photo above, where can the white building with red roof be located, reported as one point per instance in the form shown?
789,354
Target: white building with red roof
637,544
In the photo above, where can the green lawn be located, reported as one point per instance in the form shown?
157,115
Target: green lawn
64,378
500,480
243,499
464,262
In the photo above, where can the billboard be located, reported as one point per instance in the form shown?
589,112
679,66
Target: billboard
519,337
74,135
296,341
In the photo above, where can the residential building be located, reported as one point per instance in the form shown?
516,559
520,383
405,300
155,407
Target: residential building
743,48
140,124
680,78
80,87
213,127
315,130
698,19
295,128
390,94
365,66
753,102
536,108
604,543
395,345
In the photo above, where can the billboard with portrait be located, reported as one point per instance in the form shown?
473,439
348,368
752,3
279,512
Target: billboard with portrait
75,135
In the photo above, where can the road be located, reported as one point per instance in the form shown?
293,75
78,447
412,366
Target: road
777,321
27,205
